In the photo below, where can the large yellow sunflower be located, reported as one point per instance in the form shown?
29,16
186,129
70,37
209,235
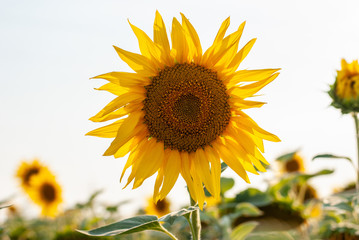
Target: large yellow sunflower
180,112
27,170
47,193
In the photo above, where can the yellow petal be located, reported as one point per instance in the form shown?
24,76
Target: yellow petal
119,102
226,49
250,89
158,184
242,156
240,56
244,104
150,163
125,79
147,46
231,160
113,88
258,131
202,164
138,63
186,174
109,131
197,183
194,42
171,171
161,39
127,130
221,32
215,161
249,76
125,110
179,43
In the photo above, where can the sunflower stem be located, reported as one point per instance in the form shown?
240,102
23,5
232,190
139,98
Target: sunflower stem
168,233
196,223
355,116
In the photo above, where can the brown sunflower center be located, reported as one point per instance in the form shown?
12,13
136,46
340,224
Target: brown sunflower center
48,193
29,174
292,166
186,107
161,205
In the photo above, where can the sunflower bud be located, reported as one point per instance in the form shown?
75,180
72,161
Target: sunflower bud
345,90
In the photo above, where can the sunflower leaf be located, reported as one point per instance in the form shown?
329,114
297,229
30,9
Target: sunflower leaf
242,231
171,217
254,196
332,156
270,236
226,184
224,166
1,207
127,226
286,157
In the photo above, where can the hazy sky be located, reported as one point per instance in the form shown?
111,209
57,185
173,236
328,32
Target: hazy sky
50,49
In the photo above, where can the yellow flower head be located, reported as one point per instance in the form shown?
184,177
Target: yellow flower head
345,90
184,109
159,208
46,193
293,164
27,170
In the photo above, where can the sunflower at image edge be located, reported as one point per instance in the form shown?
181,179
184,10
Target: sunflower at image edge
345,90
184,110
46,193
27,170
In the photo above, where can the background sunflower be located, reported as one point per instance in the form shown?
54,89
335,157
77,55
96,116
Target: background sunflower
47,193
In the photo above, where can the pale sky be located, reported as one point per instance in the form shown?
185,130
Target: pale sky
50,49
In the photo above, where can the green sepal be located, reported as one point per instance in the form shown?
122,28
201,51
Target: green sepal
286,157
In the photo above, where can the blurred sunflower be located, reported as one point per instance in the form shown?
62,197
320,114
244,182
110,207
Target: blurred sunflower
295,164
184,110
291,162
46,193
27,170
345,90
306,191
159,208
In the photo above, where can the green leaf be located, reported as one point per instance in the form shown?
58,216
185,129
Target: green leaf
226,184
90,201
171,217
242,230
270,236
224,166
247,209
332,156
254,196
286,157
127,226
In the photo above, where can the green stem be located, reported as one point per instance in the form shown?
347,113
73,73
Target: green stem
196,223
168,233
355,116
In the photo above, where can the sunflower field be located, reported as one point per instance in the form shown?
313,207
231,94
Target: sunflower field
184,115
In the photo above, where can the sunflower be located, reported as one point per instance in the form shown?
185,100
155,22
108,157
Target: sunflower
345,90
27,170
159,208
293,164
180,112
46,193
